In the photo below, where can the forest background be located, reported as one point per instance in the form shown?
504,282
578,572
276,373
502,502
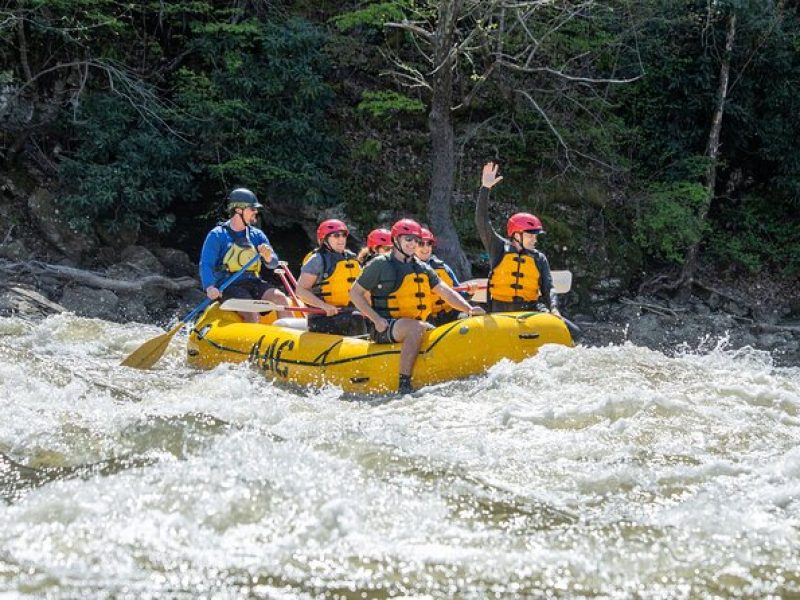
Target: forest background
657,140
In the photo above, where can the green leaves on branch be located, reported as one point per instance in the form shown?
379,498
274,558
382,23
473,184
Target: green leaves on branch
255,105
385,104
372,16
125,173
669,221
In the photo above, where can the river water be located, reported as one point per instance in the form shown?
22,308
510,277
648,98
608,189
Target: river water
614,472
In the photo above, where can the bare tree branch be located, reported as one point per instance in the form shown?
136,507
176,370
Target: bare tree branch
97,280
515,67
23,48
415,29
547,120
120,81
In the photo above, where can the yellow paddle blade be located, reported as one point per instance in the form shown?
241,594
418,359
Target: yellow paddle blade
146,355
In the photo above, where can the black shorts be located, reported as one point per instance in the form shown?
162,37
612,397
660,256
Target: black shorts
383,337
519,306
249,289
348,322
444,317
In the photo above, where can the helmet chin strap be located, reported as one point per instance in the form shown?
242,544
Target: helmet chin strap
396,244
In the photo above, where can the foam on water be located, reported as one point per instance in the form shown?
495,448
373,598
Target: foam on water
586,471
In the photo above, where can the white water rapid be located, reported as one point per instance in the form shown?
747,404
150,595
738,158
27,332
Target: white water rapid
614,472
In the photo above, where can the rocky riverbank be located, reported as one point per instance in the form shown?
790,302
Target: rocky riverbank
714,315
144,286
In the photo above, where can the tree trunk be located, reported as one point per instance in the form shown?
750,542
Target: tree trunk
712,152
440,125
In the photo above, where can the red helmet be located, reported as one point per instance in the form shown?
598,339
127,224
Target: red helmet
379,237
406,227
427,235
524,222
330,226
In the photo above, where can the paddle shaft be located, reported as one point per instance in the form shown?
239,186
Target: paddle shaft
146,355
282,274
562,283
466,288
244,305
222,287
288,271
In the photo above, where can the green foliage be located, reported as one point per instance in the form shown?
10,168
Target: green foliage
261,97
255,105
125,173
369,150
671,108
371,16
755,233
669,222
384,104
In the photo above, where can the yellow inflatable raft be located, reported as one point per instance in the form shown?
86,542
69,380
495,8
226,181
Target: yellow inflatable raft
452,351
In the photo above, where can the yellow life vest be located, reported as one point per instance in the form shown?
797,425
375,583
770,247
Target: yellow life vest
412,299
339,271
515,278
409,297
238,255
439,304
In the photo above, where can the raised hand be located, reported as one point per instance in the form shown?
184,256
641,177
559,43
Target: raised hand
489,176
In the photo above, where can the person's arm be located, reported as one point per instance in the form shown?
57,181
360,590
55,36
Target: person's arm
305,284
209,257
360,299
547,295
491,240
455,300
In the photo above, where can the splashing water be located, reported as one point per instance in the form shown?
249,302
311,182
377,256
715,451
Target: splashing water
614,471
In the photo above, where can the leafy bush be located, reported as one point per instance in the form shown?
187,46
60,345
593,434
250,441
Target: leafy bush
755,233
256,104
125,173
383,104
370,150
371,16
669,222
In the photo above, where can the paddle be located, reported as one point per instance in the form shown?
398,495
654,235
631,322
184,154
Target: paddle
562,283
244,305
146,355
466,288
282,270
285,266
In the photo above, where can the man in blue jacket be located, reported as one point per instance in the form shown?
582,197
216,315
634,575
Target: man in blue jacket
230,246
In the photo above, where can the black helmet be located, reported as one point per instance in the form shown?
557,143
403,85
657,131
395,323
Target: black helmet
243,198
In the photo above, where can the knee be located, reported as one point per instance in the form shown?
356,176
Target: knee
417,329
276,296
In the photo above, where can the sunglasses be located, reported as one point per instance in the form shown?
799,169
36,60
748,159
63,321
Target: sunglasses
426,243
410,238
532,231
339,234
